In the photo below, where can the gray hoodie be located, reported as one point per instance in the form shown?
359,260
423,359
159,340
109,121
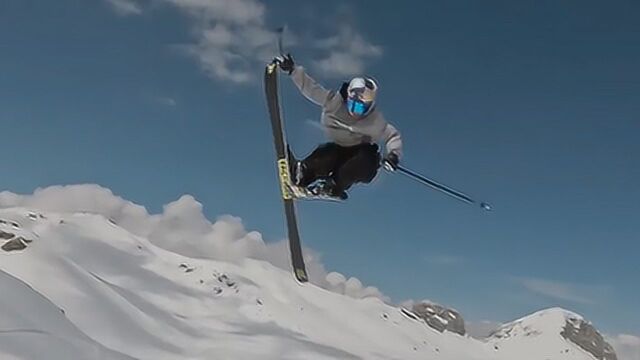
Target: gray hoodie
339,125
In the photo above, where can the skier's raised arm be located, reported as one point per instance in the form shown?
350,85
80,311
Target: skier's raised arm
313,91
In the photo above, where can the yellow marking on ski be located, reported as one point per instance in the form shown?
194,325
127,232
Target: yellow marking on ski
271,68
283,170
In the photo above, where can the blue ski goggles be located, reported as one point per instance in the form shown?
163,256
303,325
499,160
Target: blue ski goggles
357,106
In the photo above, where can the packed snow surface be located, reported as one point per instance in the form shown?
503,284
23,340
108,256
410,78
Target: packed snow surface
85,288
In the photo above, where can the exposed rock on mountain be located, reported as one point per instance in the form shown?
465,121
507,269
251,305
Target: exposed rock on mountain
439,317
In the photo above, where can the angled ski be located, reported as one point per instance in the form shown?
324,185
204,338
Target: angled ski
282,162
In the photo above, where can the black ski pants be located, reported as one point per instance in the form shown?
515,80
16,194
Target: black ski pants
347,165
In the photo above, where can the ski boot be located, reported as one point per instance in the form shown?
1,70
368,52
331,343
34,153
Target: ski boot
296,168
326,188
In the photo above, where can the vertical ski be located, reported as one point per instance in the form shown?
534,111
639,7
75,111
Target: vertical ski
282,161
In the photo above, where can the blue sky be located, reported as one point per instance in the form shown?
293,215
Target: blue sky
533,106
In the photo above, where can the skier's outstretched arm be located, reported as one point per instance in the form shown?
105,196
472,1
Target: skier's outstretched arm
310,88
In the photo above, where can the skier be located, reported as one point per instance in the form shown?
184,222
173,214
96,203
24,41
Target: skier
354,125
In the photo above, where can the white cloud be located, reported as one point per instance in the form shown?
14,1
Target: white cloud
231,39
576,293
346,53
183,228
125,7
231,36
627,346
337,282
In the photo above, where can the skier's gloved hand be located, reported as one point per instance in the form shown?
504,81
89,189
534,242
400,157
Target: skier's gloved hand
286,63
391,161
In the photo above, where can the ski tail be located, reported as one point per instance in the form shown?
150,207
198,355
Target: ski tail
282,162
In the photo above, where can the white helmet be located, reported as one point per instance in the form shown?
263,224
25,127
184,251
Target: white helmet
361,95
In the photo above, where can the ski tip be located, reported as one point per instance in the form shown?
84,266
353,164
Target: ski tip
486,206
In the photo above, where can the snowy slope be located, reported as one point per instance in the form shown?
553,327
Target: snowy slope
30,326
85,288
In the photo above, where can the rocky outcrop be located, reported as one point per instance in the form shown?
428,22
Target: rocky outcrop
12,238
13,242
439,317
583,334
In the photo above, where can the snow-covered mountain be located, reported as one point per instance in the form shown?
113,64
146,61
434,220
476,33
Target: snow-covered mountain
80,286
549,333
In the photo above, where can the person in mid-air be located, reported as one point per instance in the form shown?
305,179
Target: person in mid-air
354,124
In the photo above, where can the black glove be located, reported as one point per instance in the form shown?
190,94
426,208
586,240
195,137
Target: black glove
391,161
286,63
